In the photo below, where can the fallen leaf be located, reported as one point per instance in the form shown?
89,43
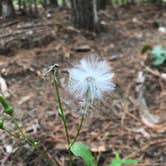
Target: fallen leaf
4,88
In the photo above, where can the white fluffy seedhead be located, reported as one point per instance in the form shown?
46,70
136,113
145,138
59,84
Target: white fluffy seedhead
90,79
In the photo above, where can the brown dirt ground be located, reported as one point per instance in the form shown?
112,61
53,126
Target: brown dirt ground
113,124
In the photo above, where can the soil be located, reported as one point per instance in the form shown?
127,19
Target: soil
113,124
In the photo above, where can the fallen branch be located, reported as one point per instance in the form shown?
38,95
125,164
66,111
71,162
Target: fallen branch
156,73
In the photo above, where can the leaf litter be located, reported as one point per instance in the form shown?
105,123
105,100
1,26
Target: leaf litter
133,124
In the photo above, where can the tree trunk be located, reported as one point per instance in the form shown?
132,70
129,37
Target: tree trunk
101,4
53,3
30,10
85,14
7,8
67,3
35,7
0,8
44,4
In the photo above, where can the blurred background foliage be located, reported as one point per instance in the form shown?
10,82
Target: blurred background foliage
53,3
10,8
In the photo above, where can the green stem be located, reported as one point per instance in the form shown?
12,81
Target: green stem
43,154
4,102
79,129
28,141
10,133
81,122
23,136
61,109
57,93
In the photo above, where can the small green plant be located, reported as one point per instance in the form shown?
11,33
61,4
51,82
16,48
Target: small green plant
119,162
81,150
158,55
87,82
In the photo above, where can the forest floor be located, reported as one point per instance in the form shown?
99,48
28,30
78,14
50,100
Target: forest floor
121,122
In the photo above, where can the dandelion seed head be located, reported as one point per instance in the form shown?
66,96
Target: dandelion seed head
91,78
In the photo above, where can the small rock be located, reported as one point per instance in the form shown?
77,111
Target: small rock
139,35
9,149
135,20
115,57
163,75
103,23
162,29
49,15
30,32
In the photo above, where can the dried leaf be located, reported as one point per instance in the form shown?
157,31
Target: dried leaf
4,88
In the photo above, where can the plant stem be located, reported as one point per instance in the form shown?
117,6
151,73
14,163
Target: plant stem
10,133
79,129
81,122
28,141
43,154
24,137
62,115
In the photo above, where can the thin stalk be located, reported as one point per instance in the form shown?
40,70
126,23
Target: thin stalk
10,133
78,130
24,137
57,93
81,122
61,109
29,142
43,154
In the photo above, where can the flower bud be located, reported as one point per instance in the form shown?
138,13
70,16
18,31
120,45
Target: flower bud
8,109
1,124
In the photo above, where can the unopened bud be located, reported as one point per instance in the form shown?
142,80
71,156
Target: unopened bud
1,124
9,110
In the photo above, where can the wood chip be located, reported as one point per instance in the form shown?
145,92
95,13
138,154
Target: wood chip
82,48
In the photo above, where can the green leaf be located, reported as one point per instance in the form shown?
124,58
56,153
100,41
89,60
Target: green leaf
157,24
116,162
1,124
119,162
60,112
158,55
146,48
81,150
129,161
